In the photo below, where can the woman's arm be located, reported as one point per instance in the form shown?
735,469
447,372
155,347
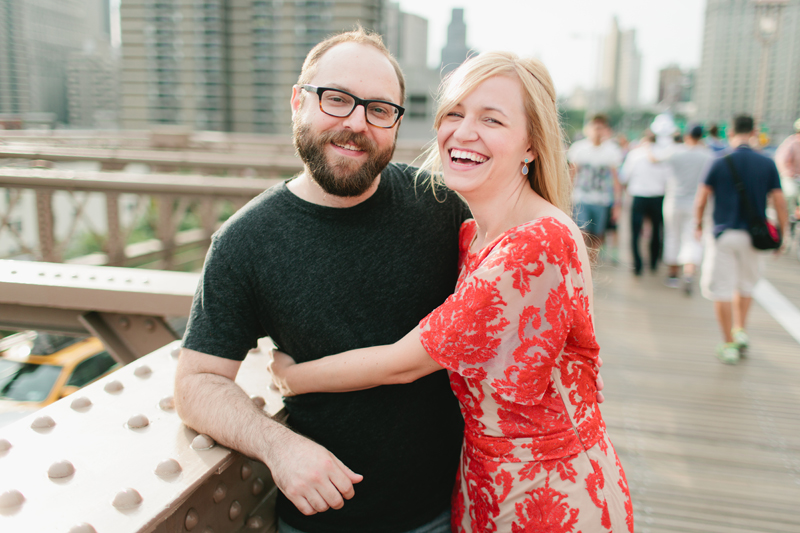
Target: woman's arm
402,362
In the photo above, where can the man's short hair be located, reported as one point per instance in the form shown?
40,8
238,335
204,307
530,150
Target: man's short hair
713,130
600,118
360,36
696,132
743,124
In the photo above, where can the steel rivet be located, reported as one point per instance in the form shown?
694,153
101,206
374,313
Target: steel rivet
13,271
255,522
129,280
143,371
43,422
74,276
124,322
138,422
127,499
192,519
41,273
220,492
81,403
58,275
246,471
10,499
60,469
168,467
149,324
111,279
258,486
176,352
235,511
92,278
167,403
113,387
4,445
82,528
259,401
202,442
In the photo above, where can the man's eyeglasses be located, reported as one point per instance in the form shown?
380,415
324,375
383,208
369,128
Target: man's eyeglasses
338,103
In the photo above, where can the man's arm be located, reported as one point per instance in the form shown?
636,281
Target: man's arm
208,400
700,202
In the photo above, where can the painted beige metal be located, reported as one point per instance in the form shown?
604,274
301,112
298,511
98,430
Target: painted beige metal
89,288
129,337
128,462
118,182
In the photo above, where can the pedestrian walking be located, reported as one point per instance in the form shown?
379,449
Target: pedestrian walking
645,179
682,249
596,192
732,265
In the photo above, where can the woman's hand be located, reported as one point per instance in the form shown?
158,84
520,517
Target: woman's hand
277,368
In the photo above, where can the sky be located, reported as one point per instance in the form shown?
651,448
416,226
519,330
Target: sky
566,34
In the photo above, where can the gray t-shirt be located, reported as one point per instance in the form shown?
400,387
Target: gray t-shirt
321,280
689,165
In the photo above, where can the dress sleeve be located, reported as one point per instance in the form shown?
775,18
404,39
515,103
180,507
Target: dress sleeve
509,318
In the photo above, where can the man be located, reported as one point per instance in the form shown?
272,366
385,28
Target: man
682,251
645,175
348,254
732,266
594,161
788,160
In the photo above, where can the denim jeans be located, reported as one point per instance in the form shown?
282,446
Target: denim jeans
440,524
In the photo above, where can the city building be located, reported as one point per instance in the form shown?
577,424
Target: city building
620,69
226,65
406,36
52,31
734,62
14,82
93,87
455,50
675,89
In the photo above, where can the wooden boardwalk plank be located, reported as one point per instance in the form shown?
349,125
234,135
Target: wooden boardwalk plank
707,447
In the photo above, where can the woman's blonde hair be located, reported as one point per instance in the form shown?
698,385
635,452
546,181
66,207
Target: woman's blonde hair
548,174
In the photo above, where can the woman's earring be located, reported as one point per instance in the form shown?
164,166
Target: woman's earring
525,167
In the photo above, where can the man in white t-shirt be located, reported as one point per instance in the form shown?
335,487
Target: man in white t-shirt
594,162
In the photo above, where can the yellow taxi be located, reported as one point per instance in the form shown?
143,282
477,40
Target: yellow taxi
38,368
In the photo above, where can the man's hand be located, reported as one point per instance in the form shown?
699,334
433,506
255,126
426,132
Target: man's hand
311,477
277,367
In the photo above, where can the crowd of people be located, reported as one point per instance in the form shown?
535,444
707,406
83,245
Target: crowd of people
669,179
448,307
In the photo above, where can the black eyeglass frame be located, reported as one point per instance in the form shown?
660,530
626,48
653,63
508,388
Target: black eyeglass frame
357,102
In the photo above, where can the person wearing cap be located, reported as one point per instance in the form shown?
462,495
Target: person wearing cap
682,250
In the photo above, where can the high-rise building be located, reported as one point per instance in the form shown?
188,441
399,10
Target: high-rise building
455,50
406,36
226,65
52,31
14,81
620,71
732,58
93,87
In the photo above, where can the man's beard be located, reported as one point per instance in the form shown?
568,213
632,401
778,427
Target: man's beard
341,178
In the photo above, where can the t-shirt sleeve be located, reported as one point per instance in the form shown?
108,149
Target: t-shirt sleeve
224,319
507,322
774,181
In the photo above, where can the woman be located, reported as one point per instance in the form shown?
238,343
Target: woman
517,336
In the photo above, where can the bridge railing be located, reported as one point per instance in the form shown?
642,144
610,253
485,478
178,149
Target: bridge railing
114,456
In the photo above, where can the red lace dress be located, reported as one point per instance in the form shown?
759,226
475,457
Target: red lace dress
518,342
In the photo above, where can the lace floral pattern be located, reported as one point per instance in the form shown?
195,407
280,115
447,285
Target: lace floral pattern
518,341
